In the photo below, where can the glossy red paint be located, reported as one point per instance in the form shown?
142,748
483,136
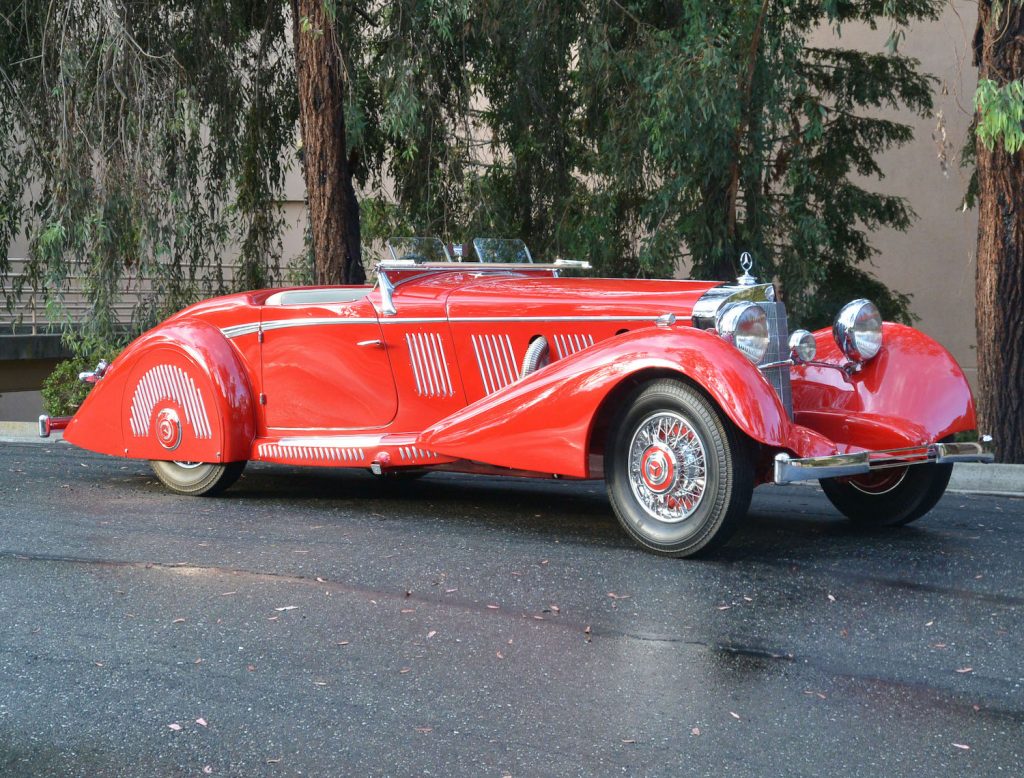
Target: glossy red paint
544,421
186,366
913,392
330,376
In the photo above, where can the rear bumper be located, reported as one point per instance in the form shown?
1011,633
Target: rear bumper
788,469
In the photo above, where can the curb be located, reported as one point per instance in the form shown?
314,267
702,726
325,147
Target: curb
968,477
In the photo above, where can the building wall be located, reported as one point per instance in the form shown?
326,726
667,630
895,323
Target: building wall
934,260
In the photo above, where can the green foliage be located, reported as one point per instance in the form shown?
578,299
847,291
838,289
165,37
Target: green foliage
1000,114
62,392
645,136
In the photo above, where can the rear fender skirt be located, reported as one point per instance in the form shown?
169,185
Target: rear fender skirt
543,422
912,393
179,392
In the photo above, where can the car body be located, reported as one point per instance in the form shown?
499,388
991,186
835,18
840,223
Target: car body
512,368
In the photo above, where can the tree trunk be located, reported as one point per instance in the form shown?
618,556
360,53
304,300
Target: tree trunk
999,291
333,206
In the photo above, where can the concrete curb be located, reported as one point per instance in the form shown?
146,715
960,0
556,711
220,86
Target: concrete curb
968,478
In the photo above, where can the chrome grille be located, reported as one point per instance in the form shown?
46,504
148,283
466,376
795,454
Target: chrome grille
778,350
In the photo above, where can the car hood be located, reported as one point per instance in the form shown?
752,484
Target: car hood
545,297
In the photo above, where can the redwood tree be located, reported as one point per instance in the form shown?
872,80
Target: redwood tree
327,163
999,55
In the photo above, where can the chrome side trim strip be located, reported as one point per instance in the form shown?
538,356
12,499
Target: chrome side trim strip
311,453
245,329
788,469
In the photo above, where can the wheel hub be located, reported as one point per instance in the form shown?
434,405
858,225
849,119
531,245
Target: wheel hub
667,467
168,429
658,468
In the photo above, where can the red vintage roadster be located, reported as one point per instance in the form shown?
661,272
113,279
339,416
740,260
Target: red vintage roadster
682,395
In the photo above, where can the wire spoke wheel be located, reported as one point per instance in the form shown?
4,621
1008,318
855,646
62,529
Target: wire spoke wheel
679,475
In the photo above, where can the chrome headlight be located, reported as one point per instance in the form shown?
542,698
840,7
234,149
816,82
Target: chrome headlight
802,346
858,330
745,325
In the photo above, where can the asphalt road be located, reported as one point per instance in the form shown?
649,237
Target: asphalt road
327,623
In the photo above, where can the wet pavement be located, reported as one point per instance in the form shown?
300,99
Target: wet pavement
320,622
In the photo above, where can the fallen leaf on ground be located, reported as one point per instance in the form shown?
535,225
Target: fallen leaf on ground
962,746
695,731
178,621
207,770
424,730
627,742
227,594
342,643
734,715
724,607
431,633
274,761
174,727
493,607
199,661
966,670
287,608
251,668
554,609
615,596
929,623
831,598
449,591
201,722
320,580
98,664
405,670
499,655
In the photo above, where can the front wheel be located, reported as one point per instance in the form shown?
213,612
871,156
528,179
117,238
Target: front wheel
679,474
197,478
888,498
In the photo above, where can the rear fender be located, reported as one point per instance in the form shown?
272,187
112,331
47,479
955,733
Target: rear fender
543,423
183,375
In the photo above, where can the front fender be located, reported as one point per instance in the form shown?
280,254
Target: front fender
912,393
186,366
543,422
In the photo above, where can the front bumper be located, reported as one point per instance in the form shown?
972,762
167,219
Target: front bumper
788,470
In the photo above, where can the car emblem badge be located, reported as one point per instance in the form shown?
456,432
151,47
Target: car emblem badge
747,263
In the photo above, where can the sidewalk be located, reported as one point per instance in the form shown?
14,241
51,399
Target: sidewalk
968,478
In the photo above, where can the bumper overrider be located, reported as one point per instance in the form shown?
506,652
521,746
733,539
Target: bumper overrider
788,469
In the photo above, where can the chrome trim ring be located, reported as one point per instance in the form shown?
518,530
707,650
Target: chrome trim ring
667,467
189,465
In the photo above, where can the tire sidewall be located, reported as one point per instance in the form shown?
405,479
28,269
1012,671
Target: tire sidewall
697,530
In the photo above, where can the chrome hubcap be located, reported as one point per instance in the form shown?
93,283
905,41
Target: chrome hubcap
667,467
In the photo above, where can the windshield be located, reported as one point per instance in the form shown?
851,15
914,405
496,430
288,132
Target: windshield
418,249
501,250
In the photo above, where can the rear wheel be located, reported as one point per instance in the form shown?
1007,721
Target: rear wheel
888,498
197,478
679,475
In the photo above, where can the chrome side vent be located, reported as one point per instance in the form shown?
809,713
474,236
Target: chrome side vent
570,344
496,360
429,365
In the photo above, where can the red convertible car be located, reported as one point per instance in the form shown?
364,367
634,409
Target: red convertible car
682,395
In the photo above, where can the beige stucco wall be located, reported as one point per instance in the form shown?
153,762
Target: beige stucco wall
934,261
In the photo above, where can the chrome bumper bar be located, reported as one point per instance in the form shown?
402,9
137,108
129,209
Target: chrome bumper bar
788,469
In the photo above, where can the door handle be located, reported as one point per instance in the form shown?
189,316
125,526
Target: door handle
376,343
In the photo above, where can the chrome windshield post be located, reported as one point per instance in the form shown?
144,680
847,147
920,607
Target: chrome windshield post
387,289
